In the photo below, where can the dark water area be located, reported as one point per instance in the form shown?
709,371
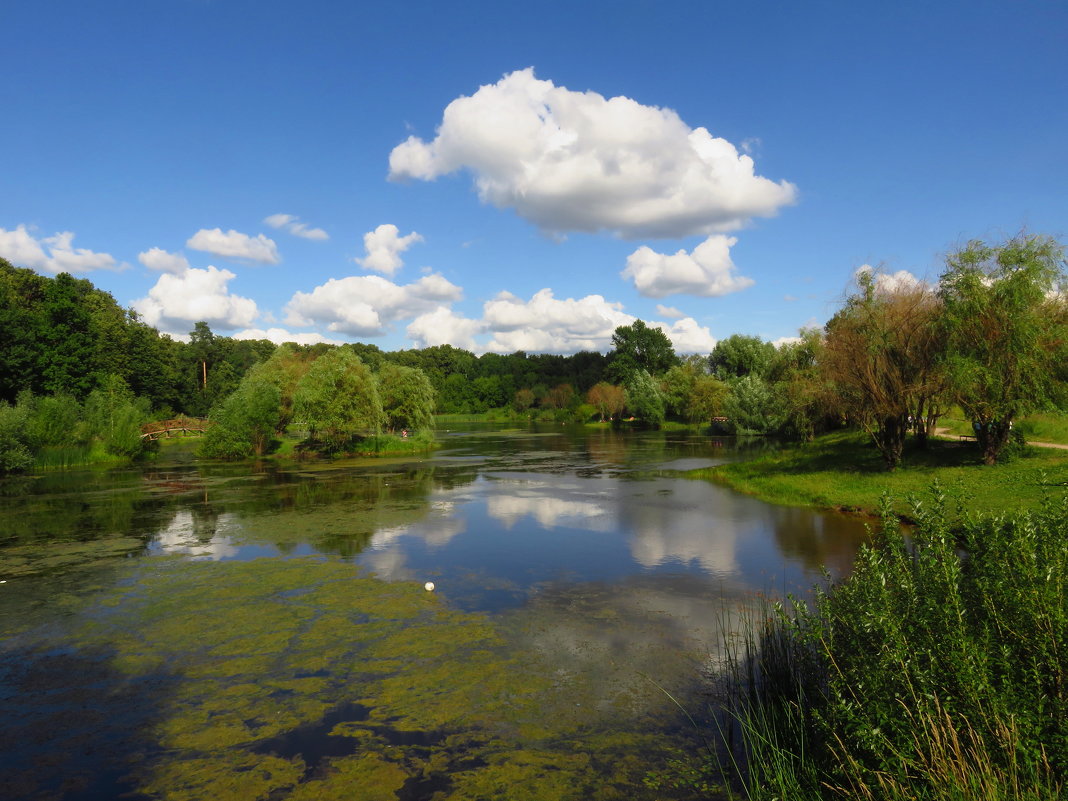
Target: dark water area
195,630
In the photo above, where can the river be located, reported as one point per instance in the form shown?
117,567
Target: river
200,631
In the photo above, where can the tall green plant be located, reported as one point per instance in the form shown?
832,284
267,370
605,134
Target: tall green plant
927,674
338,399
1005,322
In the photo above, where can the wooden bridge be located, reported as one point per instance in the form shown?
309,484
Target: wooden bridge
183,426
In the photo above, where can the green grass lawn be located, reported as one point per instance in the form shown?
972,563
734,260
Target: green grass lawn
1039,427
843,470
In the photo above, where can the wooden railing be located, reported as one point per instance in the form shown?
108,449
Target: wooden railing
178,425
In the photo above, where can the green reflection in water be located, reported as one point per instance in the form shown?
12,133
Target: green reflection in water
443,704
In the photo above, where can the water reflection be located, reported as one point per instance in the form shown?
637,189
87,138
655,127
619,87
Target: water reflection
196,536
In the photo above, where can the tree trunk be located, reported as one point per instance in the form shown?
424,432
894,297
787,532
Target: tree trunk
890,439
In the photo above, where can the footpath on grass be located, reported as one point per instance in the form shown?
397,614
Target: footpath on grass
842,471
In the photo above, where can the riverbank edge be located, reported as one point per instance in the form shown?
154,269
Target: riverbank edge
841,472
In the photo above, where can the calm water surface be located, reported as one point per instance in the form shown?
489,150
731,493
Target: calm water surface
203,631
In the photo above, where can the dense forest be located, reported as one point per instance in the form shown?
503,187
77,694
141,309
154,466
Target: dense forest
991,337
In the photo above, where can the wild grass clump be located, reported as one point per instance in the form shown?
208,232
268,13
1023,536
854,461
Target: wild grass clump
938,670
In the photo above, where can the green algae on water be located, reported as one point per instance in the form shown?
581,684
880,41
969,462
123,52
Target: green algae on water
309,678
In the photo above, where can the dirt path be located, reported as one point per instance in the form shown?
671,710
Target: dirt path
945,432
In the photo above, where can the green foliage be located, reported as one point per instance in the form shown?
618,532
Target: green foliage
407,397
644,400
15,454
337,399
738,356
1005,321
114,416
246,421
752,406
925,674
638,347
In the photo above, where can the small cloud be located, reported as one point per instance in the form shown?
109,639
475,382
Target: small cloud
291,223
52,254
235,245
789,298
163,262
889,282
706,272
669,311
384,246
366,305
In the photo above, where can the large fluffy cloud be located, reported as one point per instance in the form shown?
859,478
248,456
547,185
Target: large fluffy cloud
365,305
575,161
177,302
706,272
442,326
384,246
292,224
545,324
235,245
51,254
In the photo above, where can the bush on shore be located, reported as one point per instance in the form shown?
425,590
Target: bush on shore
938,670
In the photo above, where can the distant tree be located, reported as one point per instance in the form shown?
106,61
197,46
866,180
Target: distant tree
804,398
706,400
202,346
1005,323
523,400
244,423
337,399
114,416
607,399
644,399
881,358
559,397
738,356
407,397
752,407
638,347
15,453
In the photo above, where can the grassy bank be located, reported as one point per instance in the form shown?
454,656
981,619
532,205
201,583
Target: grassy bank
922,676
843,471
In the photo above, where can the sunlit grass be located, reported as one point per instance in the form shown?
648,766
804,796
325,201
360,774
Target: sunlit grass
843,471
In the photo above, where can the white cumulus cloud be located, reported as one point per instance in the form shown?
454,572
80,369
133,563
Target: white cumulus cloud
706,272
235,245
177,302
687,336
669,311
548,325
52,254
163,262
366,305
442,326
384,246
576,161
280,335
292,224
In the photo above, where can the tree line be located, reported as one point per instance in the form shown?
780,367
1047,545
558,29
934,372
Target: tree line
989,336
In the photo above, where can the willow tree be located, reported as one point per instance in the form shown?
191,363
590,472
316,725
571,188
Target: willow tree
337,399
1006,329
408,397
881,357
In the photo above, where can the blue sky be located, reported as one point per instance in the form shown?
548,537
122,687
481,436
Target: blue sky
713,167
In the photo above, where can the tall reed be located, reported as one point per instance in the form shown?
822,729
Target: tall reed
938,670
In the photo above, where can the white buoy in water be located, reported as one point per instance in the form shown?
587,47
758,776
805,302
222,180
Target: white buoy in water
429,586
